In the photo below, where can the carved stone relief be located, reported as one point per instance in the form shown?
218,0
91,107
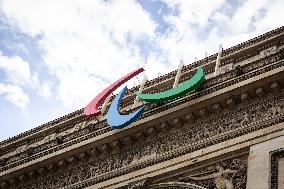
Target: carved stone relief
249,60
49,138
268,52
79,126
230,174
21,149
138,184
226,68
242,116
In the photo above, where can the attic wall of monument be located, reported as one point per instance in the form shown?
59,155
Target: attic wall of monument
259,113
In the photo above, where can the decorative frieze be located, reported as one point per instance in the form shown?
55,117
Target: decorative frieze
226,68
142,184
268,52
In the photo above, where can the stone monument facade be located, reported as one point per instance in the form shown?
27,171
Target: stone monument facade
228,134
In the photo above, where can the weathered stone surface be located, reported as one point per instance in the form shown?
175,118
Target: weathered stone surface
281,174
259,163
196,136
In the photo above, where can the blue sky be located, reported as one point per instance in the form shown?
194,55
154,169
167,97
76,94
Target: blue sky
55,56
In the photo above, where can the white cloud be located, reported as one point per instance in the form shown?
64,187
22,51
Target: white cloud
155,64
242,19
86,44
14,94
273,16
17,71
17,74
183,41
42,88
200,26
18,77
193,11
45,90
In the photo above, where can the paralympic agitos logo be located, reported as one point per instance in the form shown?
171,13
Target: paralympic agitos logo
118,121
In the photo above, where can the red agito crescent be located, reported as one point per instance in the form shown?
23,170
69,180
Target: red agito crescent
92,108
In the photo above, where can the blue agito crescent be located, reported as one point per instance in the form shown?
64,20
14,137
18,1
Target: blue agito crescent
115,119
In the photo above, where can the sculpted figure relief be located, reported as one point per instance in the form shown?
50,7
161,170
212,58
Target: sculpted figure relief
79,126
49,138
21,149
221,178
274,110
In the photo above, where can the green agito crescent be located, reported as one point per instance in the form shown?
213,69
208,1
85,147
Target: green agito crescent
183,89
